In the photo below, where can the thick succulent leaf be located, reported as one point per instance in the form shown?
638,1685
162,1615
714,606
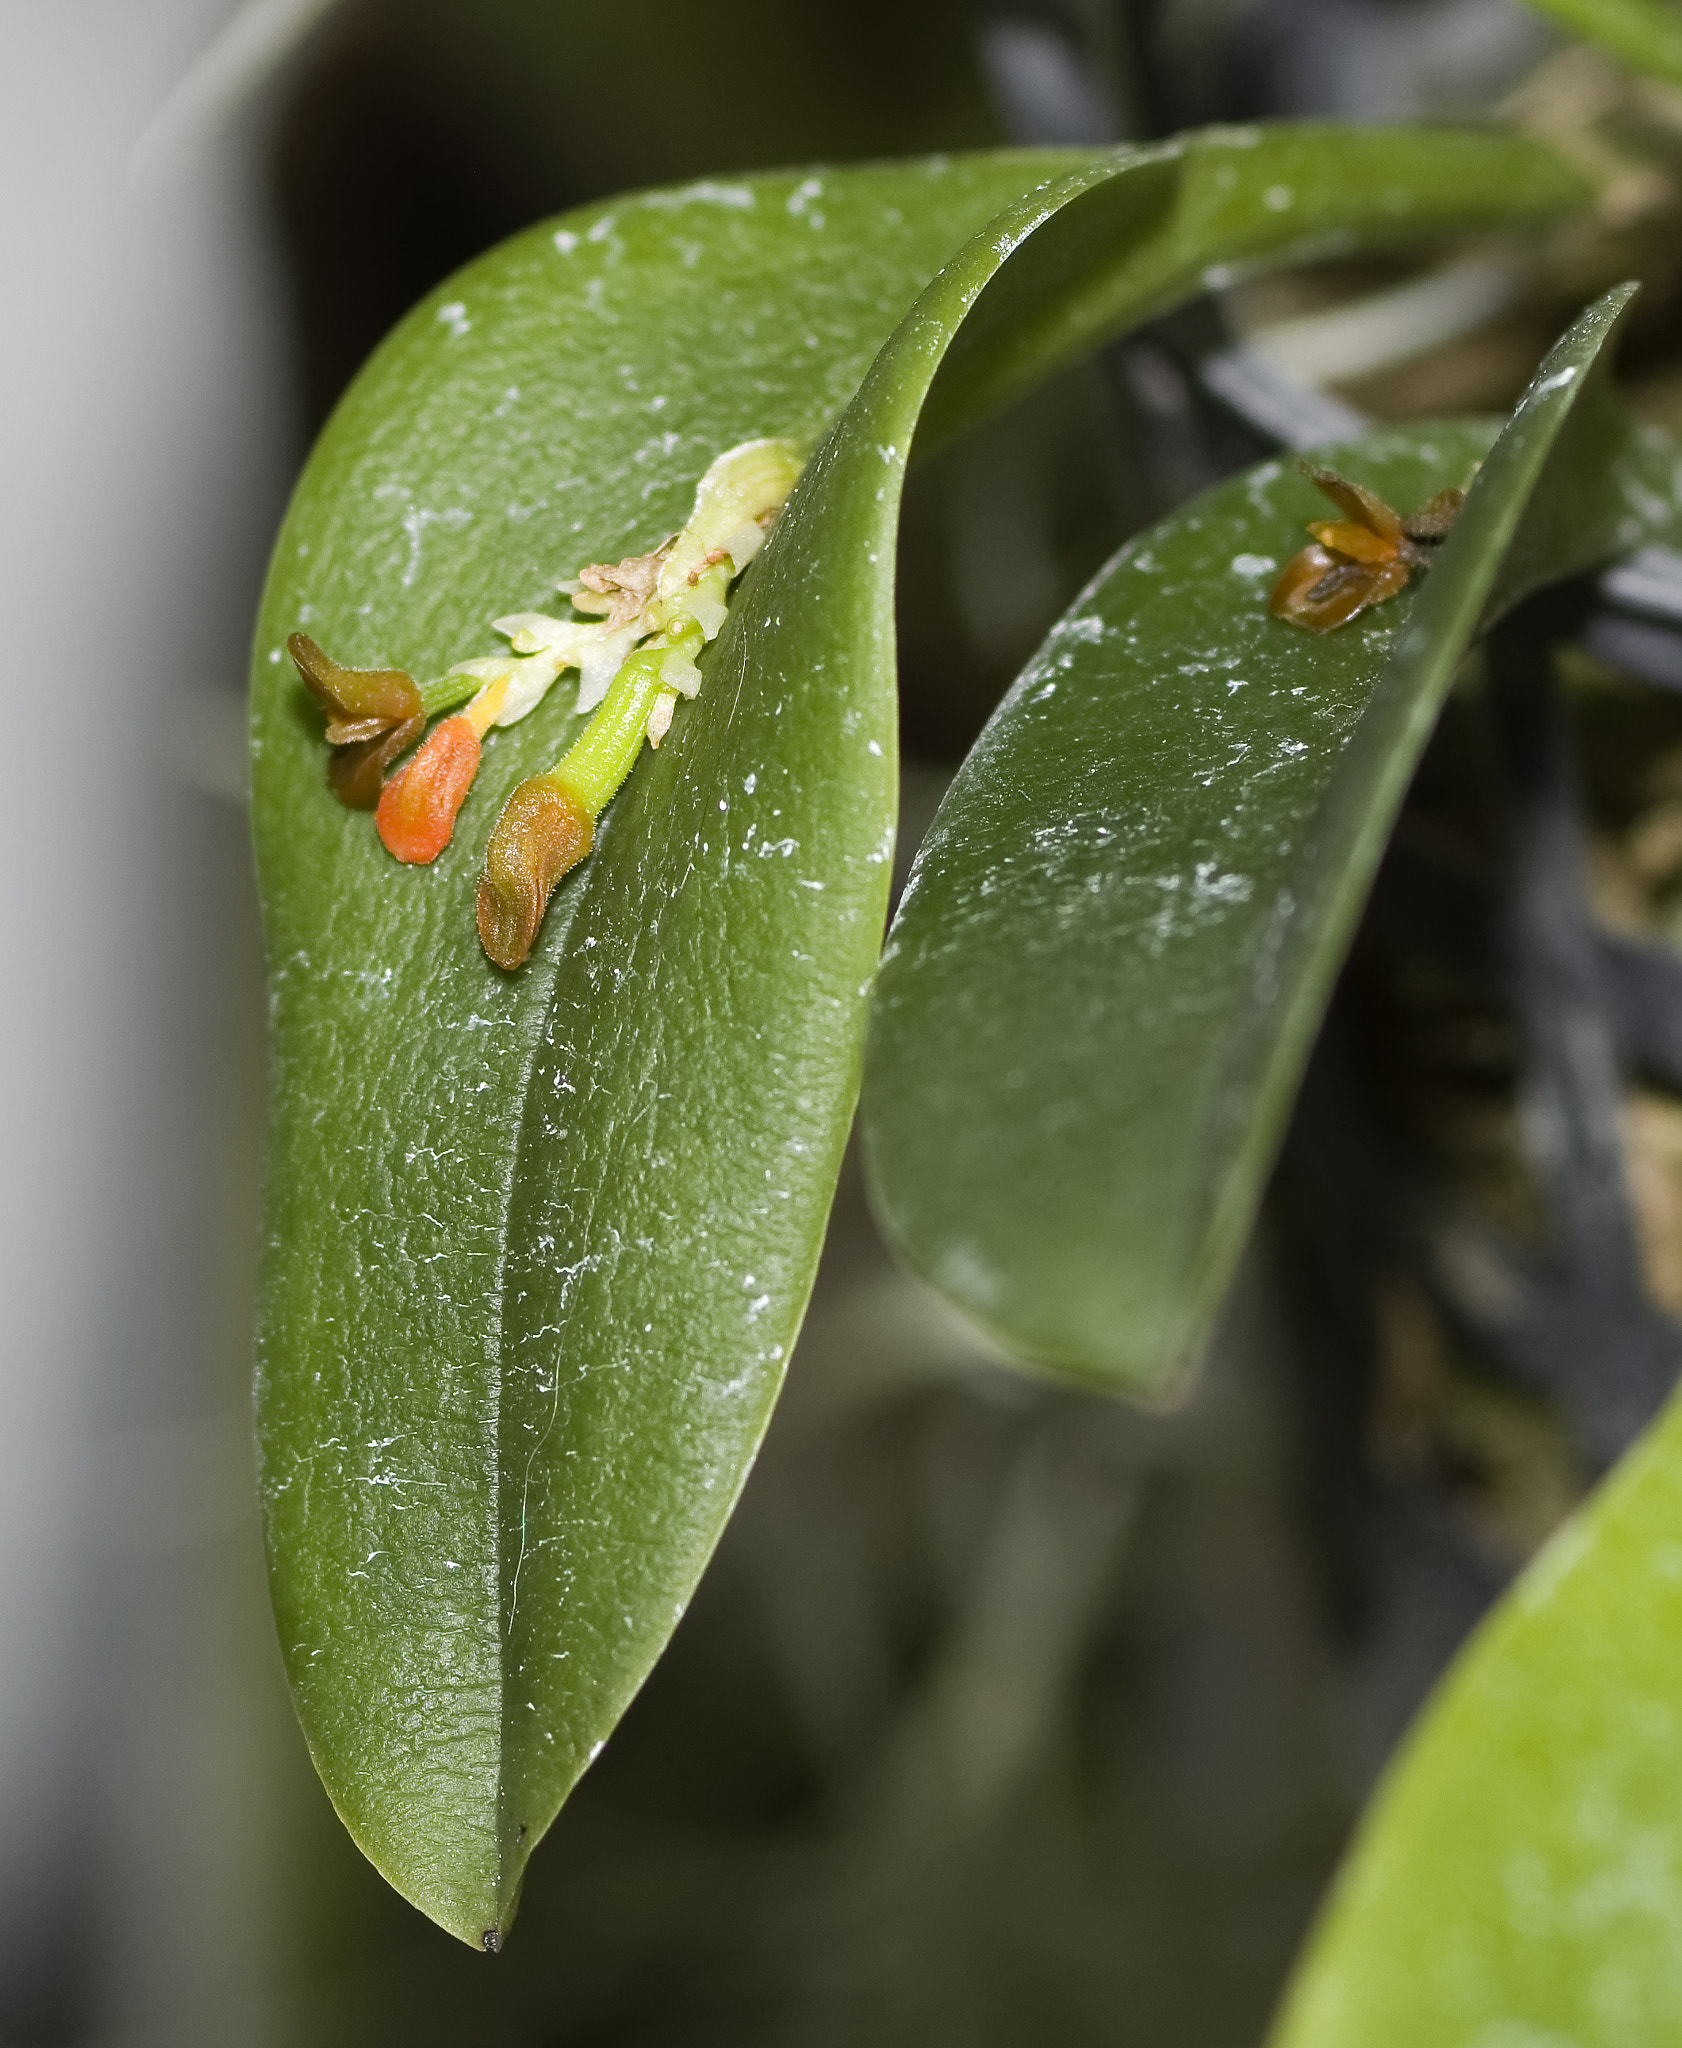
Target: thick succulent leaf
1518,1881
1645,34
1120,933
536,1247
1218,204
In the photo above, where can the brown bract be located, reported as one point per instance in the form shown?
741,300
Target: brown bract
1359,560
542,834
628,586
373,714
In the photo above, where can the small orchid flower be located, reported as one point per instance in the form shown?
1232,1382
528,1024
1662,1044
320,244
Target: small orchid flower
1360,560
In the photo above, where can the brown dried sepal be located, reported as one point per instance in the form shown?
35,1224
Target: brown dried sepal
356,773
373,715
1361,560
1365,508
629,586
1434,518
542,834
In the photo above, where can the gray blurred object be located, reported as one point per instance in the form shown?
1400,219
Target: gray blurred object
148,439
1043,84
1364,60
1637,624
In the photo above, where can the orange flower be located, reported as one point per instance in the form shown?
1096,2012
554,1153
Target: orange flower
1360,560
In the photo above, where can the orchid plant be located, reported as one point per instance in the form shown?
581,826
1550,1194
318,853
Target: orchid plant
553,1139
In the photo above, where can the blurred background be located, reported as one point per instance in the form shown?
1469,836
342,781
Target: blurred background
1004,1715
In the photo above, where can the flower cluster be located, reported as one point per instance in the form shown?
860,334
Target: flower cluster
642,622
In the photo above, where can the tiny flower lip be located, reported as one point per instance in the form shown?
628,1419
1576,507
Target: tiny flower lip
417,807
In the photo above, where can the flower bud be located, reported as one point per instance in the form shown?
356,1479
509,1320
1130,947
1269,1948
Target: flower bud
544,832
418,806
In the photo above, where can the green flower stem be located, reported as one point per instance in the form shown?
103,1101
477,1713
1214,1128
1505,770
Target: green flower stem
591,770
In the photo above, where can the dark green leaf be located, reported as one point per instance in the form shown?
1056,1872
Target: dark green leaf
536,1248
1121,931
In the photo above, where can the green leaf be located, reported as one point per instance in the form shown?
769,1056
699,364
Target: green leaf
1121,931
1518,1880
536,1248
1645,34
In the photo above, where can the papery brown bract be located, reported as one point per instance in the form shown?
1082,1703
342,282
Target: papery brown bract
1434,518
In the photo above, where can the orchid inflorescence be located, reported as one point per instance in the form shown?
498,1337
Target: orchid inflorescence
642,623
1359,560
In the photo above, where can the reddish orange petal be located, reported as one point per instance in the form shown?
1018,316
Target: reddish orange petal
418,806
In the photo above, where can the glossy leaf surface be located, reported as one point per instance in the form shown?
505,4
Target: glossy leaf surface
536,1247
1120,933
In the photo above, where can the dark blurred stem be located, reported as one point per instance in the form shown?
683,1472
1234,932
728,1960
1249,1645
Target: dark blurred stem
1570,1089
1610,1357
